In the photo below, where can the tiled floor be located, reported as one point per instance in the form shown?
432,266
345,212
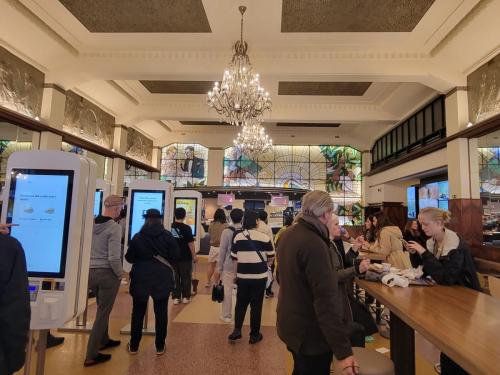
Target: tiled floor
196,344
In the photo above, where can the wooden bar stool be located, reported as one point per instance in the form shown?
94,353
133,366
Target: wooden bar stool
370,362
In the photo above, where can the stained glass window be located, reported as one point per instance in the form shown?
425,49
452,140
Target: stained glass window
185,164
335,169
133,173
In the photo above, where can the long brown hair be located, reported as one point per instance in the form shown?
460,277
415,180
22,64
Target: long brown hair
408,227
382,222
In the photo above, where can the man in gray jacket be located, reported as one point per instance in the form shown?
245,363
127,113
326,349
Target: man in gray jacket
104,277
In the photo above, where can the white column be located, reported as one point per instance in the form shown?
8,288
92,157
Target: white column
156,162
52,113
119,146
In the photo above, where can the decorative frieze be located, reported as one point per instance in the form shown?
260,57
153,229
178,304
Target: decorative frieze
139,147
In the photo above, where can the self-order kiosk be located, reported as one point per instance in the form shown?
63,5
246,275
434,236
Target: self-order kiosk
191,201
143,195
102,190
50,196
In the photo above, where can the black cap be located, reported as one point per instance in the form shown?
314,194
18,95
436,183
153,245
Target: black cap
152,213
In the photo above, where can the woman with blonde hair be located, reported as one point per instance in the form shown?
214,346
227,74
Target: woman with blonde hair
389,242
447,259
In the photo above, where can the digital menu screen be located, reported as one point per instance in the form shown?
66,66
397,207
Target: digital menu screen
40,203
141,201
191,207
99,194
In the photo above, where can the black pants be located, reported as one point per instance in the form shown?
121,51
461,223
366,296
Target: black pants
311,364
269,290
448,367
250,292
161,319
183,271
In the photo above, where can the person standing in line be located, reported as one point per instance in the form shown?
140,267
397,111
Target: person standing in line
184,267
310,318
152,253
252,250
263,226
225,264
15,310
215,230
447,259
104,277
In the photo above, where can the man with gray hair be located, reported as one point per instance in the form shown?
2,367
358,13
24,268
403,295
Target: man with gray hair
310,317
104,277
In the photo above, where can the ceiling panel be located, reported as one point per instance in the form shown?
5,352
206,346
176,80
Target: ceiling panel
352,15
323,88
307,125
178,87
133,16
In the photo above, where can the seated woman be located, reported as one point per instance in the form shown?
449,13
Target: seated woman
389,242
447,259
413,232
369,230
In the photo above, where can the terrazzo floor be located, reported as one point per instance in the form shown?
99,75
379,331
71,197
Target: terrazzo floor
196,344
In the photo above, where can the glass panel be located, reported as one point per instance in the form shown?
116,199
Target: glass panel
428,120
316,154
300,154
405,134
186,164
384,150
420,125
265,182
301,170
266,169
413,131
318,171
283,153
267,156
438,114
399,138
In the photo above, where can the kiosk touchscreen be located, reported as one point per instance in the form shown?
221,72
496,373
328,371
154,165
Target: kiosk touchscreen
191,201
143,195
102,190
51,198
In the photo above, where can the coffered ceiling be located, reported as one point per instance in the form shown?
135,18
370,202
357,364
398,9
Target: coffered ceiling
361,64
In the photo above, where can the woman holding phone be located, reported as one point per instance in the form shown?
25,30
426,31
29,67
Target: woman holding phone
447,259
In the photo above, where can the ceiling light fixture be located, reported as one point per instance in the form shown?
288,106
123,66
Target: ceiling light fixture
239,97
253,140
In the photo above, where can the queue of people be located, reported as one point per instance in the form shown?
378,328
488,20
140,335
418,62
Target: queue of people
316,318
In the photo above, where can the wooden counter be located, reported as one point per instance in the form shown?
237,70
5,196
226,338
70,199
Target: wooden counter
461,322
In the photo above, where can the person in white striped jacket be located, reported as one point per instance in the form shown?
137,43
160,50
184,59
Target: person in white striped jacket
253,251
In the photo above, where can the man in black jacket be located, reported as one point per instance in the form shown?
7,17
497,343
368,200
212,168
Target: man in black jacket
192,164
15,312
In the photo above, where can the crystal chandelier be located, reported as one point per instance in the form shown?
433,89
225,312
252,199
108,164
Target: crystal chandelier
253,140
239,97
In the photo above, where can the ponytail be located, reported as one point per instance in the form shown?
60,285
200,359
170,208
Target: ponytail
436,214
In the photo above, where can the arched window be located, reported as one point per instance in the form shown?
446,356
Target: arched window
335,169
184,164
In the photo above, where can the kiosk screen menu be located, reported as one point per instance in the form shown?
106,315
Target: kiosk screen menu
141,201
191,207
40,203
98,202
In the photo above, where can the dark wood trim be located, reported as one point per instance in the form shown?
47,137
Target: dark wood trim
486,252
430,148
482,128
39,126
55,87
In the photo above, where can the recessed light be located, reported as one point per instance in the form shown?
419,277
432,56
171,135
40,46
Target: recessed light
292,136
183,133
337,136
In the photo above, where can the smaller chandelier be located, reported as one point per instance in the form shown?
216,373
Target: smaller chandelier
239,97
253,140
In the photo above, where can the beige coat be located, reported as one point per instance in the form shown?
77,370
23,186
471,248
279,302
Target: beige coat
389,244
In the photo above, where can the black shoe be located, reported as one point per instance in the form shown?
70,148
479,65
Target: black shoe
54,341
110,344
100,358
236,335
254,339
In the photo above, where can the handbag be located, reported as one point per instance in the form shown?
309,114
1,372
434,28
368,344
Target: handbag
218,292
270,277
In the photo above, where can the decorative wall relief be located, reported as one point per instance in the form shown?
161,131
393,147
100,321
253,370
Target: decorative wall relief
88,121
21,85
139,147
484,91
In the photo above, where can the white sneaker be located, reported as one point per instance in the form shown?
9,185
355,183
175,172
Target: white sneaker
225,320
185,301
177,301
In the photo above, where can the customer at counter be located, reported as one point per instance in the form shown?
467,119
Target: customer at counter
447,259
369,230
388,242
413,232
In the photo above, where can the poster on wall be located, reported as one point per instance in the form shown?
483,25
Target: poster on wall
191,207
